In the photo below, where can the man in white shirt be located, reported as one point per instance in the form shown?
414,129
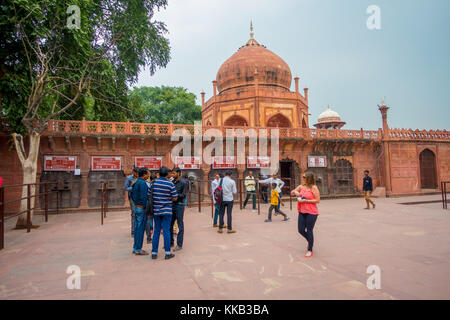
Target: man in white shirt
250,187
278,181
229,188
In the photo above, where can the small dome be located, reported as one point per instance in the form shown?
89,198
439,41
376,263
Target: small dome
329,115
329,119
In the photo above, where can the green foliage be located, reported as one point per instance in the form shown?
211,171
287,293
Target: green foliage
162,104
117,39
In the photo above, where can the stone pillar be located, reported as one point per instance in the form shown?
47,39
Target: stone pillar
387,163
203,99
296,84
214,89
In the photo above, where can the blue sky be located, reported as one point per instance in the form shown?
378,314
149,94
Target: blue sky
328,45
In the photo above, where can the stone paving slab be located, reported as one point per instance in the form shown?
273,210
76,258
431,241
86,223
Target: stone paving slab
410,244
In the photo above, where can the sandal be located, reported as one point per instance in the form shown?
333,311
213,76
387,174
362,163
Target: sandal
141,253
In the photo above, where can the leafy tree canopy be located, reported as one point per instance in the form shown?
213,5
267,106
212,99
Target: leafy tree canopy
48,70
163,104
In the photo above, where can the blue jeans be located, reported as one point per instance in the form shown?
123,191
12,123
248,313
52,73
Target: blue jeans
164,221
253,194
177,215
306,224
140,222
216,213
132,214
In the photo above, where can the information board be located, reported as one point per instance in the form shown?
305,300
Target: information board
105,163
224,162
188,162
317,161
60,163
256,162
152,163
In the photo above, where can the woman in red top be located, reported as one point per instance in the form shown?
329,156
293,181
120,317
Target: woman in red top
308,196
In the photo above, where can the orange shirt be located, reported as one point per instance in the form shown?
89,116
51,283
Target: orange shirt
310,208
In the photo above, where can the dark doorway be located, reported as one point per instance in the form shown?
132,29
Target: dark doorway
428,176
287,175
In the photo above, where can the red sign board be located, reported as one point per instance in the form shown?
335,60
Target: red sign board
152,163
224,162
317,161
188,162
60,163
254,162
102,163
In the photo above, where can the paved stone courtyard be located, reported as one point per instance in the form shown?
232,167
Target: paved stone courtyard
410,244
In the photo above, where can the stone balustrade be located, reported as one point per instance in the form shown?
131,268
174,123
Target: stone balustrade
69,127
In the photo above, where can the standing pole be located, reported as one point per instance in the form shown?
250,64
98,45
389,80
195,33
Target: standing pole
46,201
240,193
198,196
28,208
57,200
106,197
2,215
103,203
290,196
257,195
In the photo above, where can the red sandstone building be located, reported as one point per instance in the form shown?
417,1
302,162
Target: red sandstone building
251,90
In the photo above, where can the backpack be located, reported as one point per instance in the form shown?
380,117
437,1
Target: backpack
218,193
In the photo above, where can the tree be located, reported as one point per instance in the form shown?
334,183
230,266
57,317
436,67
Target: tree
52,69
165,104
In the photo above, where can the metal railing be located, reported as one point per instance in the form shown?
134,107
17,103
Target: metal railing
444,193
29,209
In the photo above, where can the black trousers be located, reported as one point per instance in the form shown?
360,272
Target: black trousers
272,207
229,206
306,224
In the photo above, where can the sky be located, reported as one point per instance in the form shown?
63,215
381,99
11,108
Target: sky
328,45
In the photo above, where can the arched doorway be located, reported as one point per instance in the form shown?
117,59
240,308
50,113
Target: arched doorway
428,175
235,121
278,121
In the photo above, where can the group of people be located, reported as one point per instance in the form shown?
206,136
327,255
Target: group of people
157,202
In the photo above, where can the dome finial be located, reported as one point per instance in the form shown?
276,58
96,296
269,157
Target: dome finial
251,30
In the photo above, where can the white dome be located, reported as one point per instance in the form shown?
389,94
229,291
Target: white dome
329,114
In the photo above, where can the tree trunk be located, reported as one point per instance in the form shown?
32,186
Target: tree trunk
29,168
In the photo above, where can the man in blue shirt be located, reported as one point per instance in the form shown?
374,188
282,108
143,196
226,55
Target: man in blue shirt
368,188
129,181
164,193
139,194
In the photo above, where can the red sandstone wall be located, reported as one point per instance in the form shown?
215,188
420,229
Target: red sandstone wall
364,159
404,167
444,161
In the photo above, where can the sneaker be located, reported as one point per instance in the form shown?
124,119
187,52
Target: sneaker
154,256
367,208
169,256
215,226
231,231
309,254
225,226
374,205
177,248
286,219
220,230
268,220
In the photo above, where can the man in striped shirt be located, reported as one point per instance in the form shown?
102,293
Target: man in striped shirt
164,193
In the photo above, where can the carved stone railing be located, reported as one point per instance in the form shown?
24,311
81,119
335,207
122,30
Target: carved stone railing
409,134
69,127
